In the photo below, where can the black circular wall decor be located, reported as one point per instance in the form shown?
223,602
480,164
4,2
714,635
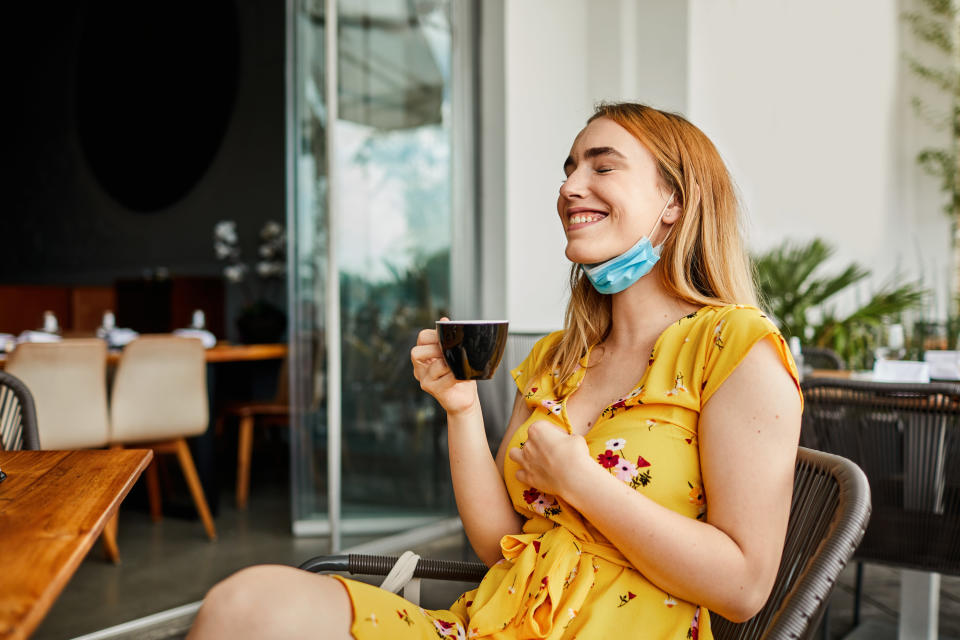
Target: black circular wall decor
156,86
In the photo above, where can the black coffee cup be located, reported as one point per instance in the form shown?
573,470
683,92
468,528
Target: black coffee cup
472,348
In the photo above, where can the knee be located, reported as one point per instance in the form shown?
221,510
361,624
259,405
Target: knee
243,596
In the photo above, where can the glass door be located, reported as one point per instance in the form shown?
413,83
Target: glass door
376,170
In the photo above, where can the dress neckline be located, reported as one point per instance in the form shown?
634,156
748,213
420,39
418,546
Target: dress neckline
582,371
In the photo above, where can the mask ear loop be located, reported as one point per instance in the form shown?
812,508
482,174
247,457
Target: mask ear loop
660,217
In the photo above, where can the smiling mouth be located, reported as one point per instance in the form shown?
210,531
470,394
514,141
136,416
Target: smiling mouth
586,217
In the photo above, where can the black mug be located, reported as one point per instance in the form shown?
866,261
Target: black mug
472,348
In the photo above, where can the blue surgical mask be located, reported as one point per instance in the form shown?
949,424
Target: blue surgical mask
619,272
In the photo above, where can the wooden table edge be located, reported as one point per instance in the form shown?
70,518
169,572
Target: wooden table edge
36,615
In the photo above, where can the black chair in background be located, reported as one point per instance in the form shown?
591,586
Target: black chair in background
18,415
906,438
822,358
830,510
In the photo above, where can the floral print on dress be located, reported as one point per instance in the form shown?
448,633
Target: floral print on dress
717,338
698,499
553,406
625,402
677,385
614,459
694,632
543,503
449,629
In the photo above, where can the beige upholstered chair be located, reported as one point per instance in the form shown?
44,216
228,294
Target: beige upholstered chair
159,399
68,380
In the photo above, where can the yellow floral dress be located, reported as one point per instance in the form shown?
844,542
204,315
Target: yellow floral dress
561,578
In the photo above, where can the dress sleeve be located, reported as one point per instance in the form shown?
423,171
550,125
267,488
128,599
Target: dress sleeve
525,375
736,331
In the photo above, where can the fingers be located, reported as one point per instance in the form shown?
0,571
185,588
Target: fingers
428,336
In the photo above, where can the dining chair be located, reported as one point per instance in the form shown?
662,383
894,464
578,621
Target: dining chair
18,415
906,438
275,413
159,399
68,382
828,516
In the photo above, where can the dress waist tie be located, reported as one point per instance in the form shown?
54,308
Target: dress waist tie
544,578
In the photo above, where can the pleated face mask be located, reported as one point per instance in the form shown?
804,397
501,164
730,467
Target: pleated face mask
619,272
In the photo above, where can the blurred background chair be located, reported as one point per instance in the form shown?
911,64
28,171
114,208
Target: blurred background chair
906,438
828,515
68,381
822,358
250,414
18,416
159,399
496,395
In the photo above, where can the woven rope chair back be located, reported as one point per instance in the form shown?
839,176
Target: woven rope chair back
496,395
822,358
906,438
830,510
18,415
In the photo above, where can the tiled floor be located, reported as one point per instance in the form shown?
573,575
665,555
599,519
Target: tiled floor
171,563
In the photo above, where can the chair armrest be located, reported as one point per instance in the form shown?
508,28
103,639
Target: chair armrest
373,565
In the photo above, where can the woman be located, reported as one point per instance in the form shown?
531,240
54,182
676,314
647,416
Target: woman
646,473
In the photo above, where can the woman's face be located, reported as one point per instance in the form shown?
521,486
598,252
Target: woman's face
612,194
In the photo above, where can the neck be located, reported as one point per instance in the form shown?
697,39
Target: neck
642,311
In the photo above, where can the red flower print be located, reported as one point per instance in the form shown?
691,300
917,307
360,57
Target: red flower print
608,459
624,599
536,546
530,495
543,583
642,462
444,624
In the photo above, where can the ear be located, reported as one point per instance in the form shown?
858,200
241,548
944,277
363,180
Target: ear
676,208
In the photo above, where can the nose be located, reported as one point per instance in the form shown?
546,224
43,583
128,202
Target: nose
574,186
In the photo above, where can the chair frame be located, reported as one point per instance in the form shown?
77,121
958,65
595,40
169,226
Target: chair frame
29,433
817,549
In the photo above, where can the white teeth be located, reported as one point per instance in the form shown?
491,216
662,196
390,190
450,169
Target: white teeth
581,219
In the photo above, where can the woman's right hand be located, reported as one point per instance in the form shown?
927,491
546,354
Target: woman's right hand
436,378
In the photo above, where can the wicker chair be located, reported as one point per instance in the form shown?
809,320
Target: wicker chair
496,395
822,358
906,437
830,510
18,415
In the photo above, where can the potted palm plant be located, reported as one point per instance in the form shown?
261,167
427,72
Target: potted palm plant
801,298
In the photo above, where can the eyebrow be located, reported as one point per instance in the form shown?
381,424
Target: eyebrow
594,152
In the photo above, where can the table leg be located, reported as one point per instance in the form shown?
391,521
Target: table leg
919,605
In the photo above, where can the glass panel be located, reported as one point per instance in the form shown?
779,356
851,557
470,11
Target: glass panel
307,182
394,175
393,240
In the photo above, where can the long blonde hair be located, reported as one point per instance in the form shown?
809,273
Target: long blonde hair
703,260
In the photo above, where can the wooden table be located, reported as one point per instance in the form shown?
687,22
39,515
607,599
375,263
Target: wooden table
53,505
218,353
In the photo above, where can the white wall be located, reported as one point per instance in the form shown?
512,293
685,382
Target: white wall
560,57
809,104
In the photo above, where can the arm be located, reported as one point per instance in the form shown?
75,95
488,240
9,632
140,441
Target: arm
748,443
482,500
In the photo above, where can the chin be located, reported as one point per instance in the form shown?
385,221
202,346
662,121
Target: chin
580,256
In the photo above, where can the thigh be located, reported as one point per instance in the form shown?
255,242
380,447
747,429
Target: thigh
380,614
273,601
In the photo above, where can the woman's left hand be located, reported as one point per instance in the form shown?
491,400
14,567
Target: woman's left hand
551,459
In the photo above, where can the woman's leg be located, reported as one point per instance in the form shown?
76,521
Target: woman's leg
273,601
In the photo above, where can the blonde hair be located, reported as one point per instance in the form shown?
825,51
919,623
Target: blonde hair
703,260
